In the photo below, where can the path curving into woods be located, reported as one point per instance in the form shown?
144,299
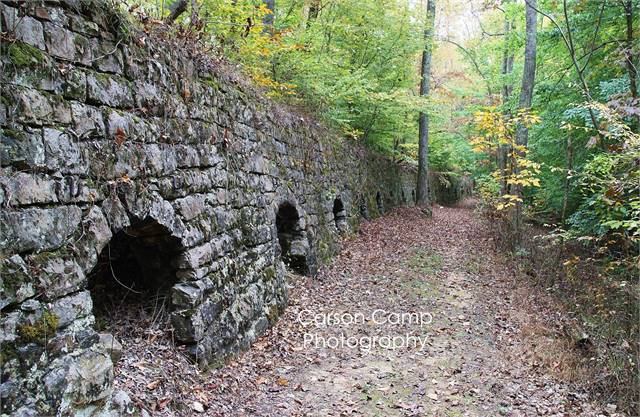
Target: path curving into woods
484,349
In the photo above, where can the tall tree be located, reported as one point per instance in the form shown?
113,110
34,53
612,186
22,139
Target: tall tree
526,90
633,71
507,88
422,189
629,56
567,38
529,71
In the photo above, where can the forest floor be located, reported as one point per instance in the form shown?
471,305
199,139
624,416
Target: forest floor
490,349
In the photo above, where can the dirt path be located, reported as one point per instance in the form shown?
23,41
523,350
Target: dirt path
479,357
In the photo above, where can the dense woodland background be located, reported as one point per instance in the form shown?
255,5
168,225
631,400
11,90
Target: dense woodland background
555,150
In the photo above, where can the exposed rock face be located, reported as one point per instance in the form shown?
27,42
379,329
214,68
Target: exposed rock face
100,136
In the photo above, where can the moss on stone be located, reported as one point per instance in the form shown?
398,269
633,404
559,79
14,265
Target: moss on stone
10,281
81,42
22,54
102,78
270,273
211,83
40,258
273,313
42,329
8,352
14,134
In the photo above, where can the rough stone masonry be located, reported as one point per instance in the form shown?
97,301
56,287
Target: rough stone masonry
118,150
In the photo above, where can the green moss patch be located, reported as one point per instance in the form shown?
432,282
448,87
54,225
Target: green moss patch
23,55
41,330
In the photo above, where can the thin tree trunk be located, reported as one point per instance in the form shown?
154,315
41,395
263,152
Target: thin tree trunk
567,181
422,189
630,61
631,68
473,60
526,94
568,41
507,88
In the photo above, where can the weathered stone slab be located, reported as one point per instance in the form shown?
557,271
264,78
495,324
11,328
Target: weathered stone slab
26,28
35,229
23,188
60,41
15,285
110,90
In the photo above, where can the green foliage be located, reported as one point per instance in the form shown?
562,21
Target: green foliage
597,197
497,131
610,186
488,187
351,62
354,63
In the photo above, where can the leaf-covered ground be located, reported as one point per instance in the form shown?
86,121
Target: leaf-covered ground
490,350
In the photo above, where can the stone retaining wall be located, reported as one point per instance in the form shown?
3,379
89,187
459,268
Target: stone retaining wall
119,150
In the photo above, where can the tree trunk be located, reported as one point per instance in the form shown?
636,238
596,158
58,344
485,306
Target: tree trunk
526,94
572,52
630,61
567,181
568,41
507,88
529,71
422,189
631,68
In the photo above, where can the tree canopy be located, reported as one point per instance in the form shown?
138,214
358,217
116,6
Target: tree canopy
356,65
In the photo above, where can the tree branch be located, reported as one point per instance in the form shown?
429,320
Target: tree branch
595,36
473,61
176,9
568,41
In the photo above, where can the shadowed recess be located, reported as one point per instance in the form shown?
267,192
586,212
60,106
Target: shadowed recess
339,215
292,239
134,269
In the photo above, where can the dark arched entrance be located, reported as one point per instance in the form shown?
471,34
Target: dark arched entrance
340,215
364,210
379,203
132,278
291,237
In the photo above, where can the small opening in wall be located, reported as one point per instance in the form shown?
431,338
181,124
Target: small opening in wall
379,202
293,244
364,210
339,215
413,195
131,280
404,200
